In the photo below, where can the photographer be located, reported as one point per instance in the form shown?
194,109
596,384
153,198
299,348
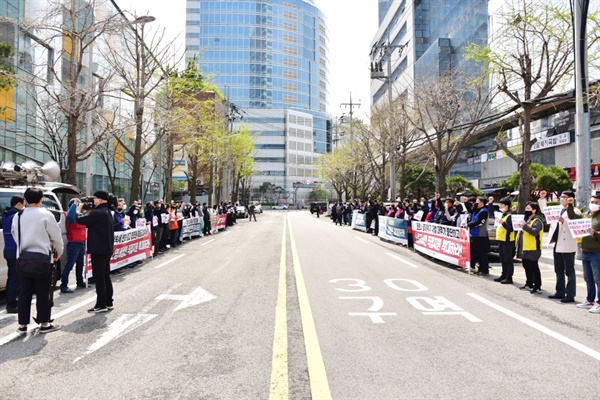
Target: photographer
100,245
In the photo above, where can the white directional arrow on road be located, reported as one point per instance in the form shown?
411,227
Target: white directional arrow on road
198,296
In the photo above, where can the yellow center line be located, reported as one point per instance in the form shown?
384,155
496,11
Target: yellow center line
319,386
279,371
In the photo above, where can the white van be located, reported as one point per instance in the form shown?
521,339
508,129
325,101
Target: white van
50,201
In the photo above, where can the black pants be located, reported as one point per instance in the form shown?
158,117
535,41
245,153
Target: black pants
41,288
479,253
156,236
206,228
101,274
532,274
564,264
173,237
505,249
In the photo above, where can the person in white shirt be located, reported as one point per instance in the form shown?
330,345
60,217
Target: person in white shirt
565,247
36,230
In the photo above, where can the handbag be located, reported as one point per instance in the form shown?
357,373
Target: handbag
32,264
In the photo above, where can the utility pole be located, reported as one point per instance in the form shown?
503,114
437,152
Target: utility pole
377,73
582,112
351,105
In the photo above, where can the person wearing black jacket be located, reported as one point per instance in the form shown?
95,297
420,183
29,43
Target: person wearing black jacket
480,242
100,244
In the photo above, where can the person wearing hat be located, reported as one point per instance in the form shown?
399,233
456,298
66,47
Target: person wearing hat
100,244
505,235
565,247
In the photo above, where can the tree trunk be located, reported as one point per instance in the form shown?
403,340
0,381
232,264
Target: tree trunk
524,167
71,175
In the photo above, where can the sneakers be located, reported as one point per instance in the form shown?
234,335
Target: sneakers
82,285
526,288
595,309
98,310
66,290
22,330
506,282
110,306
49,328
586,304
536,291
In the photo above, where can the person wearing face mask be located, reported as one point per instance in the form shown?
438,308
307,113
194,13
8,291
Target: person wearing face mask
590,256
506,243
529,247
565,247
480,242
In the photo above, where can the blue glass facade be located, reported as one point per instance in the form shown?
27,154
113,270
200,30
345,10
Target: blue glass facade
266,56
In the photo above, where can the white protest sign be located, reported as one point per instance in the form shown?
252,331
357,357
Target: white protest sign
497,218
164,218
418,215
516,221
579,227
552,213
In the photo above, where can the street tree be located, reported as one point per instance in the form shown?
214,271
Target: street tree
459,184
445,110
530,56
63,84
141,64
552,178
393,125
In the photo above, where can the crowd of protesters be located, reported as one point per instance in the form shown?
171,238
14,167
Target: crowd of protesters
473,213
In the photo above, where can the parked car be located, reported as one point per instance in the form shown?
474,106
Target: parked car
49,201
258,208
241,211
280,207
314,205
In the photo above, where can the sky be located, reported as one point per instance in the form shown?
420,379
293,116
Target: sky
352,24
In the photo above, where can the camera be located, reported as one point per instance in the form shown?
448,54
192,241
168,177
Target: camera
88,202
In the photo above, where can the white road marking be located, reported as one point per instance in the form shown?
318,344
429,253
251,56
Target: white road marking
198,296
170,261
541,328
361,239
210,241
123,325
402,260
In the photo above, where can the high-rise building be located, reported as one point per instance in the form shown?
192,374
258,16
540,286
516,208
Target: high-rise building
435,33
270,59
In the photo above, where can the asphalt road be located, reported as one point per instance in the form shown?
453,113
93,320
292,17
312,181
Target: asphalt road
295,307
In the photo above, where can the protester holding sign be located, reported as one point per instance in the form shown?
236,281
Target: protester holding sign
505,236
529,247
565,247
590,258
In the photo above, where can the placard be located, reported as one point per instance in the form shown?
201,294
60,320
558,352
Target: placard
497,218
418,215
393,229
446,243
359,221
579,227
516,221
552,213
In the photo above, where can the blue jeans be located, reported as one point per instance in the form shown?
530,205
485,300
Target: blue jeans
75,255
12,282
591,274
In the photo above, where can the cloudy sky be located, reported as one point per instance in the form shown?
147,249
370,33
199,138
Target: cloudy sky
351,23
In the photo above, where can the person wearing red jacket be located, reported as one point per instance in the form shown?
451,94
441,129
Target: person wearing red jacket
76,236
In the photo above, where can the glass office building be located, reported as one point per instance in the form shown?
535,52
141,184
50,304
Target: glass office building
435,32
269,58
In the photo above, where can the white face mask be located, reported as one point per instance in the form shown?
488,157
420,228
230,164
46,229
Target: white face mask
594,207
563,201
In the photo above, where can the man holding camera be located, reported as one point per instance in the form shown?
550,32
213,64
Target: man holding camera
101,238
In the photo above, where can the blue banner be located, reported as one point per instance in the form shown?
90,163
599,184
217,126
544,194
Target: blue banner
393,229
359,221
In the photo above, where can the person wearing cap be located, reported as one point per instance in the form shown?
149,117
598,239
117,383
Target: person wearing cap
505,235
565,247
101,238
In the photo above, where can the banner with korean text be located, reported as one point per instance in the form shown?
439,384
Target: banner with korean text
130,246
393,229
446,243
191,227
359,221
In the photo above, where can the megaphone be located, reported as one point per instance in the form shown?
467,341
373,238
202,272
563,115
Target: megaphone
50,170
